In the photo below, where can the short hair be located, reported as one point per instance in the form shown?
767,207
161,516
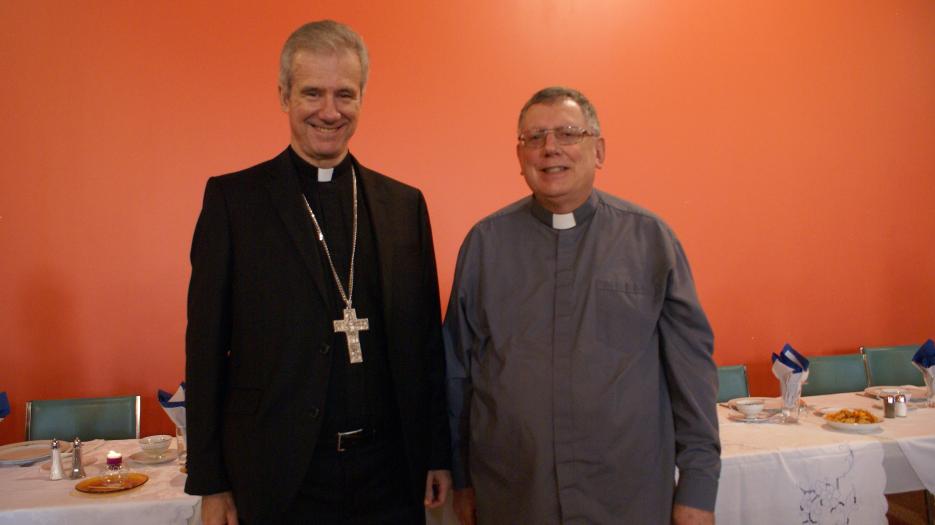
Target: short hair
322,36
554,94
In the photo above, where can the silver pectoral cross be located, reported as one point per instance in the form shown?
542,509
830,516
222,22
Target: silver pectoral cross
352,326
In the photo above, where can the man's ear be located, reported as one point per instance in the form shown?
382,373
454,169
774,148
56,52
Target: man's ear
519,158
599,153
283,98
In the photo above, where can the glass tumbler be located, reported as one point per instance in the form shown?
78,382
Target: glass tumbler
791,387
181,445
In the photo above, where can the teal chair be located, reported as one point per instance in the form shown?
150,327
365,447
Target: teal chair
892,365
732,382
86,418
832,374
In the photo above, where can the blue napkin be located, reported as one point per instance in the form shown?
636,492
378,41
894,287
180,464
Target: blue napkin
795,362
174,405
925,355
4,405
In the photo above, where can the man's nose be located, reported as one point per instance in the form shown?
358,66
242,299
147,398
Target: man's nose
329,110
551,145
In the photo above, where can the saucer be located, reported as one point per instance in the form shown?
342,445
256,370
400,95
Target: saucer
762,417
147,459
96,484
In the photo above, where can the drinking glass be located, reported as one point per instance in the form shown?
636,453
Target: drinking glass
181,445
791,386
929,389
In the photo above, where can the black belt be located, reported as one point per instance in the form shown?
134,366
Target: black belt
344,441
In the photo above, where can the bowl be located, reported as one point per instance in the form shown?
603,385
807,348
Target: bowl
749,407
155,445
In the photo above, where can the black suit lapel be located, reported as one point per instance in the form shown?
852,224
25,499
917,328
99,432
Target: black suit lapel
287,197
383,232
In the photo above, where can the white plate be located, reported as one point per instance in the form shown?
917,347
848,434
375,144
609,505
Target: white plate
28,452
762,417
916,394
146,459
85,461
853,427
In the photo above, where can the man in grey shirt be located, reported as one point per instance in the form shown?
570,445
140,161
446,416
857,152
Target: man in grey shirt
578,356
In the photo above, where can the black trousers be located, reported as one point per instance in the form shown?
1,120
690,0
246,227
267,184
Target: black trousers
366,485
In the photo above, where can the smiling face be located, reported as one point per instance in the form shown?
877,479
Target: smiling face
323,105
560,177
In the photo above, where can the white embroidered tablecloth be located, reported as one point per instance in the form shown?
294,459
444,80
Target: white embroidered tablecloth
810,473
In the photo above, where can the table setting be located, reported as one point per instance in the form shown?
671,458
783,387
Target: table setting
139,481
155,495
822,459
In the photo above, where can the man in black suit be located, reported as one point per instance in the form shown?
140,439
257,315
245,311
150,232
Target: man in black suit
314,364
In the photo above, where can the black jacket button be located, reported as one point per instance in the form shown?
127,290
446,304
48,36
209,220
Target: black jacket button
324,348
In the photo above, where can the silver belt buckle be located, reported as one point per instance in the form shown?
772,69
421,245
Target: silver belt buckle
341,436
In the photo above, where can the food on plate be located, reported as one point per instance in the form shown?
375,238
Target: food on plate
857,416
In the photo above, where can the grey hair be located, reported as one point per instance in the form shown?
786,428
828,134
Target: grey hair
554,94
322,36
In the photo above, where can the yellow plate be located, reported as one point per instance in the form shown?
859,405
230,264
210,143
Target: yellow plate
96,485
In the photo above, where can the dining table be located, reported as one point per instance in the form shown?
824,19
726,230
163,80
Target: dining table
28,496
812,471
772,472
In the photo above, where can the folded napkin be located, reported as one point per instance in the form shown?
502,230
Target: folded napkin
4,405
174,405
791,368
924,357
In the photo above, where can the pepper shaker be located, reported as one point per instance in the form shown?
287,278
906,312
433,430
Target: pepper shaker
77,468
889,405
900,409
55,471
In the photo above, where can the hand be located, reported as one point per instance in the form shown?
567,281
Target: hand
437,483
219,509
685,515
465,506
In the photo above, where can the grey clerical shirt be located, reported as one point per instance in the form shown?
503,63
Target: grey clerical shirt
579,369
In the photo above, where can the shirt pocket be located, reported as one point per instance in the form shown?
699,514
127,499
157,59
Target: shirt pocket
627,313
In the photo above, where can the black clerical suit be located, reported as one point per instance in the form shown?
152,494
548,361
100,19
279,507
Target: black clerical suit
260,339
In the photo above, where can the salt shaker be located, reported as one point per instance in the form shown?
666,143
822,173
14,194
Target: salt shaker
900,409
889,405
77,468
55,471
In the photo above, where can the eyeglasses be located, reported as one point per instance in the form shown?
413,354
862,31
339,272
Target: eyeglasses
565,135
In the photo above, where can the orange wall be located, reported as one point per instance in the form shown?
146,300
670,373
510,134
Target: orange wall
790,144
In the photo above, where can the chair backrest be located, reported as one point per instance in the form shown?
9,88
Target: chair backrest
892,365
86,418
732,382
832,374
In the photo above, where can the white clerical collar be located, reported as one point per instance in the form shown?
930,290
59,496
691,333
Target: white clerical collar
565,221
325,174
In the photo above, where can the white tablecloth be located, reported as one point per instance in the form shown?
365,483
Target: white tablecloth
810,473
772,473
27,496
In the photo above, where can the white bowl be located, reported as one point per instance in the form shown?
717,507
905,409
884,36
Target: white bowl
155,445
749,408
